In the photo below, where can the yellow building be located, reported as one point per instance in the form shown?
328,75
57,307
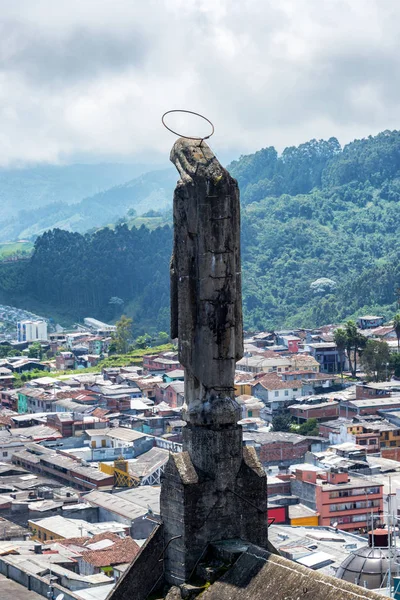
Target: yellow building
389,435
243,388
301,515
63,528
57,528
120,470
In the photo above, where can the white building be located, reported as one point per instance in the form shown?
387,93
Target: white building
31,331
98,326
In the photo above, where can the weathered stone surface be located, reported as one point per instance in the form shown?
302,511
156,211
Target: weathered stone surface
206,300
211,492
227,499
189,591
174,594
258,575
145,572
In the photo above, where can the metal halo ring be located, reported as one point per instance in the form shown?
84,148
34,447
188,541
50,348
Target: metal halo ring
190,112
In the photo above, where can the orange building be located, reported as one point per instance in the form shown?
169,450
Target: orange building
342,501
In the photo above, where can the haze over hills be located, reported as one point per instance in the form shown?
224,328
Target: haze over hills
39,185
151,190
320,243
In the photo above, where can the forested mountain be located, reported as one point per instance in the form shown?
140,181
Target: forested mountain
320,243
149,190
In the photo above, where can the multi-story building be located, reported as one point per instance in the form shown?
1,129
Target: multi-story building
261,364
70,471
370,321
366,391
322,411
328,356
354,408
279,447
271,388
349,503
31,331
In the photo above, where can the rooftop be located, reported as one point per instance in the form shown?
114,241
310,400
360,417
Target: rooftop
63,527
117,552
393,400
124,434
273,382
148,462
272,437
11,590
132,504
289,540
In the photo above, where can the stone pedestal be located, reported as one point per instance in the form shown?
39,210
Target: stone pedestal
214,490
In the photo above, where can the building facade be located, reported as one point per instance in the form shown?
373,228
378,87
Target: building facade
31,331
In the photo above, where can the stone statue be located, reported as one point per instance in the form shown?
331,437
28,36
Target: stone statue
206,300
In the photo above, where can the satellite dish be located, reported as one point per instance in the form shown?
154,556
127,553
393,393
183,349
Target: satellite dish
334,525
60,597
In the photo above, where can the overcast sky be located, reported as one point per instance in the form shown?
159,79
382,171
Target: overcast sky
89,79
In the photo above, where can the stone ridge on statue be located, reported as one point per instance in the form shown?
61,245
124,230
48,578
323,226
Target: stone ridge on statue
206,299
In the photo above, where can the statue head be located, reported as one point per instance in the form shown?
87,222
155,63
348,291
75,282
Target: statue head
188,154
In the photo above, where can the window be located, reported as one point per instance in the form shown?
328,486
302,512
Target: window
276,394
5,453
250,413
295,389
393,443
286,392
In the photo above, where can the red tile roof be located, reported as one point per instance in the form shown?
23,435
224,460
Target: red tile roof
6,420
100,412
123,551
86,539
273,382
382,330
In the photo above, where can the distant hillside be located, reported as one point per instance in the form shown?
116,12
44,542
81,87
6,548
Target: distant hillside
148,191
15,250
34,187
320,243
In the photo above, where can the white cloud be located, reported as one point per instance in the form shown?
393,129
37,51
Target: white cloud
92,78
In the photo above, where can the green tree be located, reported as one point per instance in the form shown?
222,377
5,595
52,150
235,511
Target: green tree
309,427
355,342
396,326
340,338
143,341
162,338
395,364
281,422
35,351
123,335
376,359
7,350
